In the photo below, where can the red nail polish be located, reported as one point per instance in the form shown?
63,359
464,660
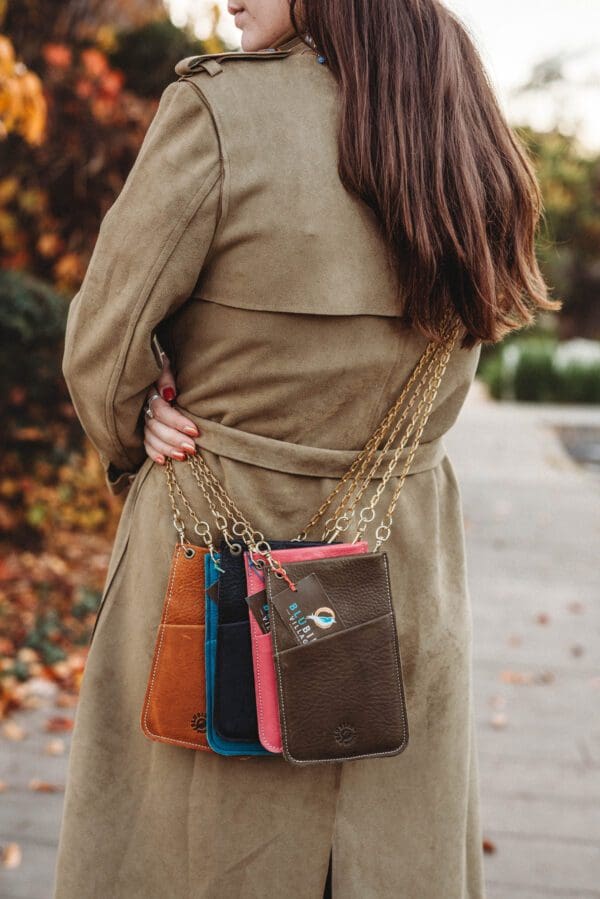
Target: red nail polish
160,460
168,394
193,432
180,456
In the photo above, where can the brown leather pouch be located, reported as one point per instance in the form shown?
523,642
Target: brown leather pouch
337,659
174,708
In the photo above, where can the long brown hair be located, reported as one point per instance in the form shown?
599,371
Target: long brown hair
423,142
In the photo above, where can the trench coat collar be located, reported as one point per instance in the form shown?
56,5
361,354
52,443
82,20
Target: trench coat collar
294,44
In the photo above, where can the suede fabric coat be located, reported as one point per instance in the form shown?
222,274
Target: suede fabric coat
270,286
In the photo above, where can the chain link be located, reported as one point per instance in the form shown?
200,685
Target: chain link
421,388
384,529
178,522
363,458
343,522
259,548
416,380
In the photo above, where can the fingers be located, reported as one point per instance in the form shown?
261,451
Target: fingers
167,415
158,450
168,433
166,382
171,437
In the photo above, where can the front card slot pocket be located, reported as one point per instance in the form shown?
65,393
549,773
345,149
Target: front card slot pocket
172,713
341,696
234,713
267,705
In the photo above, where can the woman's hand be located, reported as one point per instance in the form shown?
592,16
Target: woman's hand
168,432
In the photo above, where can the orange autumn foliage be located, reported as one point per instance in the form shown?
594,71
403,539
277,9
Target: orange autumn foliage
22,102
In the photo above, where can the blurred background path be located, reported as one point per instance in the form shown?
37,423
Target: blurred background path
532,519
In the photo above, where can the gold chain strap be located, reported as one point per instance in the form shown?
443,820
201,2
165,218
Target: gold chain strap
258,547
344,514
433,361
201,528
383,530
354,473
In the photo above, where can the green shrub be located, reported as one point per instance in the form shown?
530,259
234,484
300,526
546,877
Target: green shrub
32,323
147,55
579,383
537,368
535,379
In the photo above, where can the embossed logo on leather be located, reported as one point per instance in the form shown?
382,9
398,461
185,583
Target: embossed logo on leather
344,734
199,722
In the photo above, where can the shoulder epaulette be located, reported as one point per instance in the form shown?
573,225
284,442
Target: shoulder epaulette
211,62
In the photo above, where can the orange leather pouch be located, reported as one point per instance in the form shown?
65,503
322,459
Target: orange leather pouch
174,708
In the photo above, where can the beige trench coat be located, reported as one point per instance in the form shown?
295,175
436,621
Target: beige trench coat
235,240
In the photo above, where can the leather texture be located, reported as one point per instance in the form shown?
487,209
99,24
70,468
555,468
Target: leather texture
265,678
174,709
342,697
234,717
220,744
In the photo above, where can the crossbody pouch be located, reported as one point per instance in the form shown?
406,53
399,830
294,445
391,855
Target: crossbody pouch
341,695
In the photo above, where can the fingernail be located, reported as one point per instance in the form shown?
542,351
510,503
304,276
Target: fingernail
160,460
189,447
168,394
192,431
180,456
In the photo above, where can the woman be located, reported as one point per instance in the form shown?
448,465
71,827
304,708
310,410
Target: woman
294,228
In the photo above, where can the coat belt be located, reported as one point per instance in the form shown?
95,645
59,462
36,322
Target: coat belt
300,459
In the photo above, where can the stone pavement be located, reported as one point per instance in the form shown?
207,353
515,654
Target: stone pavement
532,519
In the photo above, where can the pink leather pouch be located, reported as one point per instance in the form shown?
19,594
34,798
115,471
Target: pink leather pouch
265,680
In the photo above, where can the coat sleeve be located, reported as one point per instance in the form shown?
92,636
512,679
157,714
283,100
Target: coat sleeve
147,259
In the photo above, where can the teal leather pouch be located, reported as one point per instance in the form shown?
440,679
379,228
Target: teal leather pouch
215,740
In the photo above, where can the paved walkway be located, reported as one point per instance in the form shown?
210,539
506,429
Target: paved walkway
532,521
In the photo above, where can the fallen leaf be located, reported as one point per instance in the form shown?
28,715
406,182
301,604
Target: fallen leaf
576,607
489,847
58,723
43,786
515,640
545,677
577,650
3,786
55,747
26,654
542,618
66,700
61,670
499,721
13,731
11,855
32,702
516,677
